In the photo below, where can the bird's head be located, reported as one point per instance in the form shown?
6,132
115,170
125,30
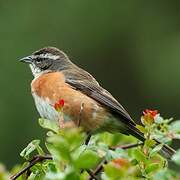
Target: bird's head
46,60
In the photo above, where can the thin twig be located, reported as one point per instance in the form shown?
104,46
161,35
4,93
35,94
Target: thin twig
100,167
87,138
34,161
128,146
92,175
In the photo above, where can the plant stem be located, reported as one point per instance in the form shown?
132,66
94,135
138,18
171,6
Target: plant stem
34,161
92,175
128,146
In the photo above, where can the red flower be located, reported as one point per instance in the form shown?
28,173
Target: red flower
149,116
152,113
59,105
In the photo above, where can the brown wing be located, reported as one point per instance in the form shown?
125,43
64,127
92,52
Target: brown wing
84,82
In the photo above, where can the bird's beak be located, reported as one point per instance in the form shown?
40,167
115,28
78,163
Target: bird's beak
27,59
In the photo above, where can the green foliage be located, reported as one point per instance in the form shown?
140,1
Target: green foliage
105,156
31,147
176,157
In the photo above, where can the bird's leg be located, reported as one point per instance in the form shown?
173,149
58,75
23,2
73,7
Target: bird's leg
80,114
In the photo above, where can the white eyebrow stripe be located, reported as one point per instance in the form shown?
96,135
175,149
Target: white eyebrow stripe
47,55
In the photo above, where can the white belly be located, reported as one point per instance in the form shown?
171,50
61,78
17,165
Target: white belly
45,108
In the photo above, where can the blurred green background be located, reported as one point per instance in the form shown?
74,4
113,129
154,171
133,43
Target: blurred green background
131,46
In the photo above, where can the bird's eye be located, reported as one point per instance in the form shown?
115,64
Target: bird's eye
38,60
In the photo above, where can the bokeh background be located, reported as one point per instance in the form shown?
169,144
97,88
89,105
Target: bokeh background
131,46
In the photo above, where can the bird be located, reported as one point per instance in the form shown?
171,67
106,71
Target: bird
57,77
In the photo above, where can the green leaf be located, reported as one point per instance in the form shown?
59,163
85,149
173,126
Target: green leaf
88,159
84,175
72,176
75,137
156,150
175,126
32,146
152,168
139,155
176,157
40,151
165,174
159,120
112,172
51,167
50,125
76,153
39,175
176,136
58,147
50,133
149,143
141,128
134,162
118,153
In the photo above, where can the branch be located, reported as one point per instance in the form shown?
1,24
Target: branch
92,175
34,161
128,146
37,159
100,167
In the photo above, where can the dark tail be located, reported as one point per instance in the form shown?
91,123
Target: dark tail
166,150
